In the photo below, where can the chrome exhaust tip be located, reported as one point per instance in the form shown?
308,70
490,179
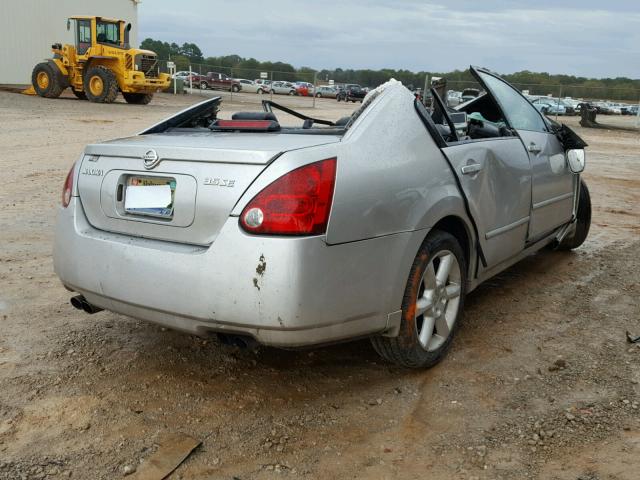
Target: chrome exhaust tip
81,303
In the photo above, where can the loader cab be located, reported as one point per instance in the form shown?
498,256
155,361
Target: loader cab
93,31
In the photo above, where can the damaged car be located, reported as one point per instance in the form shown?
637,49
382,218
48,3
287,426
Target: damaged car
376,225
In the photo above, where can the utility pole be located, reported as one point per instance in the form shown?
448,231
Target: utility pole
315,81
424,92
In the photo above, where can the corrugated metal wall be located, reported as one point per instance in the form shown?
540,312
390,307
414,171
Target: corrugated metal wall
29,27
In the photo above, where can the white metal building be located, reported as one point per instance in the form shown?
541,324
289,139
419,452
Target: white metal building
29,27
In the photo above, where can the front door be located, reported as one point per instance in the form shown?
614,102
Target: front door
83,36
496,178
552,189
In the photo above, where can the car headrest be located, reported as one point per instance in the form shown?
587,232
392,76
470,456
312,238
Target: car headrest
253,116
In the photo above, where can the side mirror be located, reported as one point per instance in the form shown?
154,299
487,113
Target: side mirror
576,160
128,27
68,24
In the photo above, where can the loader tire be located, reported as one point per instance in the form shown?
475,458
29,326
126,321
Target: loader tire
100,85
137,98
46,81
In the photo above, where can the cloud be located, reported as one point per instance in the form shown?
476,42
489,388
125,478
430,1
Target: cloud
553,36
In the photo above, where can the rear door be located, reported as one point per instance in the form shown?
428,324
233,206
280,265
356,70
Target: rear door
552,188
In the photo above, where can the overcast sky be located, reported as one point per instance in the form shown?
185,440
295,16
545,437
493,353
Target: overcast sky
594,38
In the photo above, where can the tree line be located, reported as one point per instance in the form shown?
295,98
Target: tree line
538,83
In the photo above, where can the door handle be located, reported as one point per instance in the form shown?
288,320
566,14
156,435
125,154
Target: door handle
471,169
533,148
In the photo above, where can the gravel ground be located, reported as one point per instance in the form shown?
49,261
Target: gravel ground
540,382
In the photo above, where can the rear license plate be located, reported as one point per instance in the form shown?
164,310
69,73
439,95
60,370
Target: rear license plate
152,196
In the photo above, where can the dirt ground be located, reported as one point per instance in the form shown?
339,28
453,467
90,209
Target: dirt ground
540,383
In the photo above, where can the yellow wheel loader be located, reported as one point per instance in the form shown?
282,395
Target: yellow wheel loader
100,64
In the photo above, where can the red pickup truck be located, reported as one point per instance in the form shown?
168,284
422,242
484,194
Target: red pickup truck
216,81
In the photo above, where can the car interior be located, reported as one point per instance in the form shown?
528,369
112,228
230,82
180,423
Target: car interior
479,118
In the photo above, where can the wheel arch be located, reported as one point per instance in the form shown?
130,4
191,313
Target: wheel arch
457,227
110,63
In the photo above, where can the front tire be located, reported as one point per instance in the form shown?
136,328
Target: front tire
203,85
235,89
583,221
137,98
432,304
46,81
100,85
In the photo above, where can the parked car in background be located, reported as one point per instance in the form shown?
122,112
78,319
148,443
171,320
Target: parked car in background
568,107
283,88
633,110
265,83
469,94
183,74
454,98
377,225
351,92
218,81
252,87
326,92
549,106
615,108
576,105
602,108
304,89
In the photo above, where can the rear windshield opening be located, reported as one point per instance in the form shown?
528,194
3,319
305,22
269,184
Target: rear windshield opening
274,118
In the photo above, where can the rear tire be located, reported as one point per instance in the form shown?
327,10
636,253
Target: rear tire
235,89
583,221
432,304
137,98
100,85
46,81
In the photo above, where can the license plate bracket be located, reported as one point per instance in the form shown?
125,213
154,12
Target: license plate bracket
150,196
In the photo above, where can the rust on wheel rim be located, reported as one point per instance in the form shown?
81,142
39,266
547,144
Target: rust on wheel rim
43,80
96,86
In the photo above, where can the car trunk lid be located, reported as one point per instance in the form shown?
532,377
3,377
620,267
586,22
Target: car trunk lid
200,176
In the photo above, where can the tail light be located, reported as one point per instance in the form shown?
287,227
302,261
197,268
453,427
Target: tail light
67,190
298,203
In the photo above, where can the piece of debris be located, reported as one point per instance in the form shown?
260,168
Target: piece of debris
128,470
174,449
632,339
559,364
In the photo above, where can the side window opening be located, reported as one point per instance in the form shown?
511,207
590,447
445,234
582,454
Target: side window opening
108,33
477,119
520,114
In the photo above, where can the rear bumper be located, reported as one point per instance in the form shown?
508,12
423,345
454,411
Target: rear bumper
281,291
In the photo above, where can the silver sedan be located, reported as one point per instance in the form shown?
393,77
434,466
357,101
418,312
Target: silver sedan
283,88
377,225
